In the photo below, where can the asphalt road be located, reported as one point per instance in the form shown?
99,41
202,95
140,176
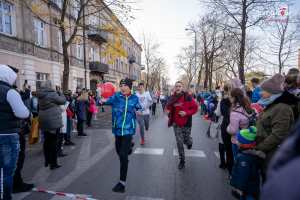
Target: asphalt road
92,167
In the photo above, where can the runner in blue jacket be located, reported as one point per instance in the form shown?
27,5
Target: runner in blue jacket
125,105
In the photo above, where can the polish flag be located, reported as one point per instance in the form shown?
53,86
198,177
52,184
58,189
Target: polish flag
284,8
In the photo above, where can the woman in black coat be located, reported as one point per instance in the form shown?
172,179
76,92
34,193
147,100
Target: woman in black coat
50,120
82,104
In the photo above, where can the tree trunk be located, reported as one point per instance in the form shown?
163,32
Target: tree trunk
242,50
66,68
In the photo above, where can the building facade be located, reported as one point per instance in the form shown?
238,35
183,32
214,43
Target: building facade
35,48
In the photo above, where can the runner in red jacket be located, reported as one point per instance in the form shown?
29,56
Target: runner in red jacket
180,109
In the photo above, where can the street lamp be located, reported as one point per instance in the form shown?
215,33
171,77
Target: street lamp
195,55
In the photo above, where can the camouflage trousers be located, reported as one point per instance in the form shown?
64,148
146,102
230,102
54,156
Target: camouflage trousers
183,136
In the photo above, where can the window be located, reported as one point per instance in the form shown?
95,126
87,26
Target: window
40,78
76,9
39,29
126,69
122,70
60,42
5,19
80,82
78,51
93,54
117,65
104,59
59,3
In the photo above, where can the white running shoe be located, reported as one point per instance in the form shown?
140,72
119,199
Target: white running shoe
74,131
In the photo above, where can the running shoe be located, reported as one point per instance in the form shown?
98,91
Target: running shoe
143,142
74,131
190,146
146,129
181,164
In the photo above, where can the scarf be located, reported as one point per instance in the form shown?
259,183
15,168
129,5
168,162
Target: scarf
266,102
175,98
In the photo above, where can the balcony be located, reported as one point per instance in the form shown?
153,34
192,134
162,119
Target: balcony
95,33
133,78
132,59
99,67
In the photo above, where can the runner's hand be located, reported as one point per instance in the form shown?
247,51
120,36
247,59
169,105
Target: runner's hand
182,113
102,101
138,112
145,108
167,112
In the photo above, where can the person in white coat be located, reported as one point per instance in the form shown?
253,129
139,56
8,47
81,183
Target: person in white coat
63,130
218,114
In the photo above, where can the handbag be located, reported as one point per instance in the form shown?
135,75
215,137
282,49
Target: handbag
69,113
208,131
215,129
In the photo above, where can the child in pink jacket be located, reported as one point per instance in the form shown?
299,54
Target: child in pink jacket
239,116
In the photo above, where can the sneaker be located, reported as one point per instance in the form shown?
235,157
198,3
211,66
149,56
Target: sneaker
146,129
25,187
84,135
70,143
74,131
119,188
227,178
131,146
235,194
79,136
190,146
181,164
143,142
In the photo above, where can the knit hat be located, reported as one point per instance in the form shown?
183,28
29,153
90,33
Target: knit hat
126,81
246,136
238,84
273,84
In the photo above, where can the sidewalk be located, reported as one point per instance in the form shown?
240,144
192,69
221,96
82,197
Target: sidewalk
107,112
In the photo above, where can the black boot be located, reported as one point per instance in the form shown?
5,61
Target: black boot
54,166
119,188
24,187
103,109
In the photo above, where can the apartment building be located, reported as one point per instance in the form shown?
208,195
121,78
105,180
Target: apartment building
35,48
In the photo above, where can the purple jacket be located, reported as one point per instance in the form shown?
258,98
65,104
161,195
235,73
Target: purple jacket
237,121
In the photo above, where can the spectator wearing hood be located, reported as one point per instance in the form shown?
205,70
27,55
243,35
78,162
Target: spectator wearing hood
238,84
275,120
12,110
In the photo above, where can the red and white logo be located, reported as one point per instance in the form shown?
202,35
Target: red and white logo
282,10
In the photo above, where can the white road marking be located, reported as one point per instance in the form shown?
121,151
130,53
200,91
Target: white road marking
191,153
20,195
141,198
149,151
217,154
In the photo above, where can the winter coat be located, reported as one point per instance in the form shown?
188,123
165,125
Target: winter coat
166,100
63,109
123,113
238,122
255,95
202,96
154,97
225,111
27,102
276,119
189,105
81,106
283,172
245,174
34,104
220,120
49,108
91,108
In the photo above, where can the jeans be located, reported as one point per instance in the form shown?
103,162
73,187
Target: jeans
235,150
122,144
72,124
89,118
9,153
246,197
226,137
50,146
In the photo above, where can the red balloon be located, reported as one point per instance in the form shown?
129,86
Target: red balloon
206,117
97,85
257,107
158,93
107,90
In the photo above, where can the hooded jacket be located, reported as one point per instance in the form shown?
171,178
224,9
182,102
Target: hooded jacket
245,174
273,124
123,113
49,108
255,95
12,108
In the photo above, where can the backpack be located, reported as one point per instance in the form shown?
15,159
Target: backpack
252,118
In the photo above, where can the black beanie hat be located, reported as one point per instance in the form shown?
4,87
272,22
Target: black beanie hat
126,81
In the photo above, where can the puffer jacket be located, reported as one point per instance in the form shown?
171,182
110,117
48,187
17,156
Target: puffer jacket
238,122
123,113
273,124
49,108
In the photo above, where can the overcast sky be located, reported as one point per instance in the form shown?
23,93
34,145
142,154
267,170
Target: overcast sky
167,19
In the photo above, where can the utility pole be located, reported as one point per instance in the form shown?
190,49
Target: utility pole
195,61
84,54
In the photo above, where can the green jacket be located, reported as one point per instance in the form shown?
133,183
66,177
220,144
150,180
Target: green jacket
273,124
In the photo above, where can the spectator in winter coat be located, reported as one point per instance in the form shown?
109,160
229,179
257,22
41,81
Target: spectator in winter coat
50,120
245,174
125,105
241,110
154,97
255,95
78,91
90,109
202,98
238,84
34,104
81,104
63,130
275,120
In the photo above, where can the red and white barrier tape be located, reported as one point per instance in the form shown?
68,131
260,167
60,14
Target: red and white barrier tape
62,194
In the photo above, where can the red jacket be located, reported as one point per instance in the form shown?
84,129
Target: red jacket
189,105
91,108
